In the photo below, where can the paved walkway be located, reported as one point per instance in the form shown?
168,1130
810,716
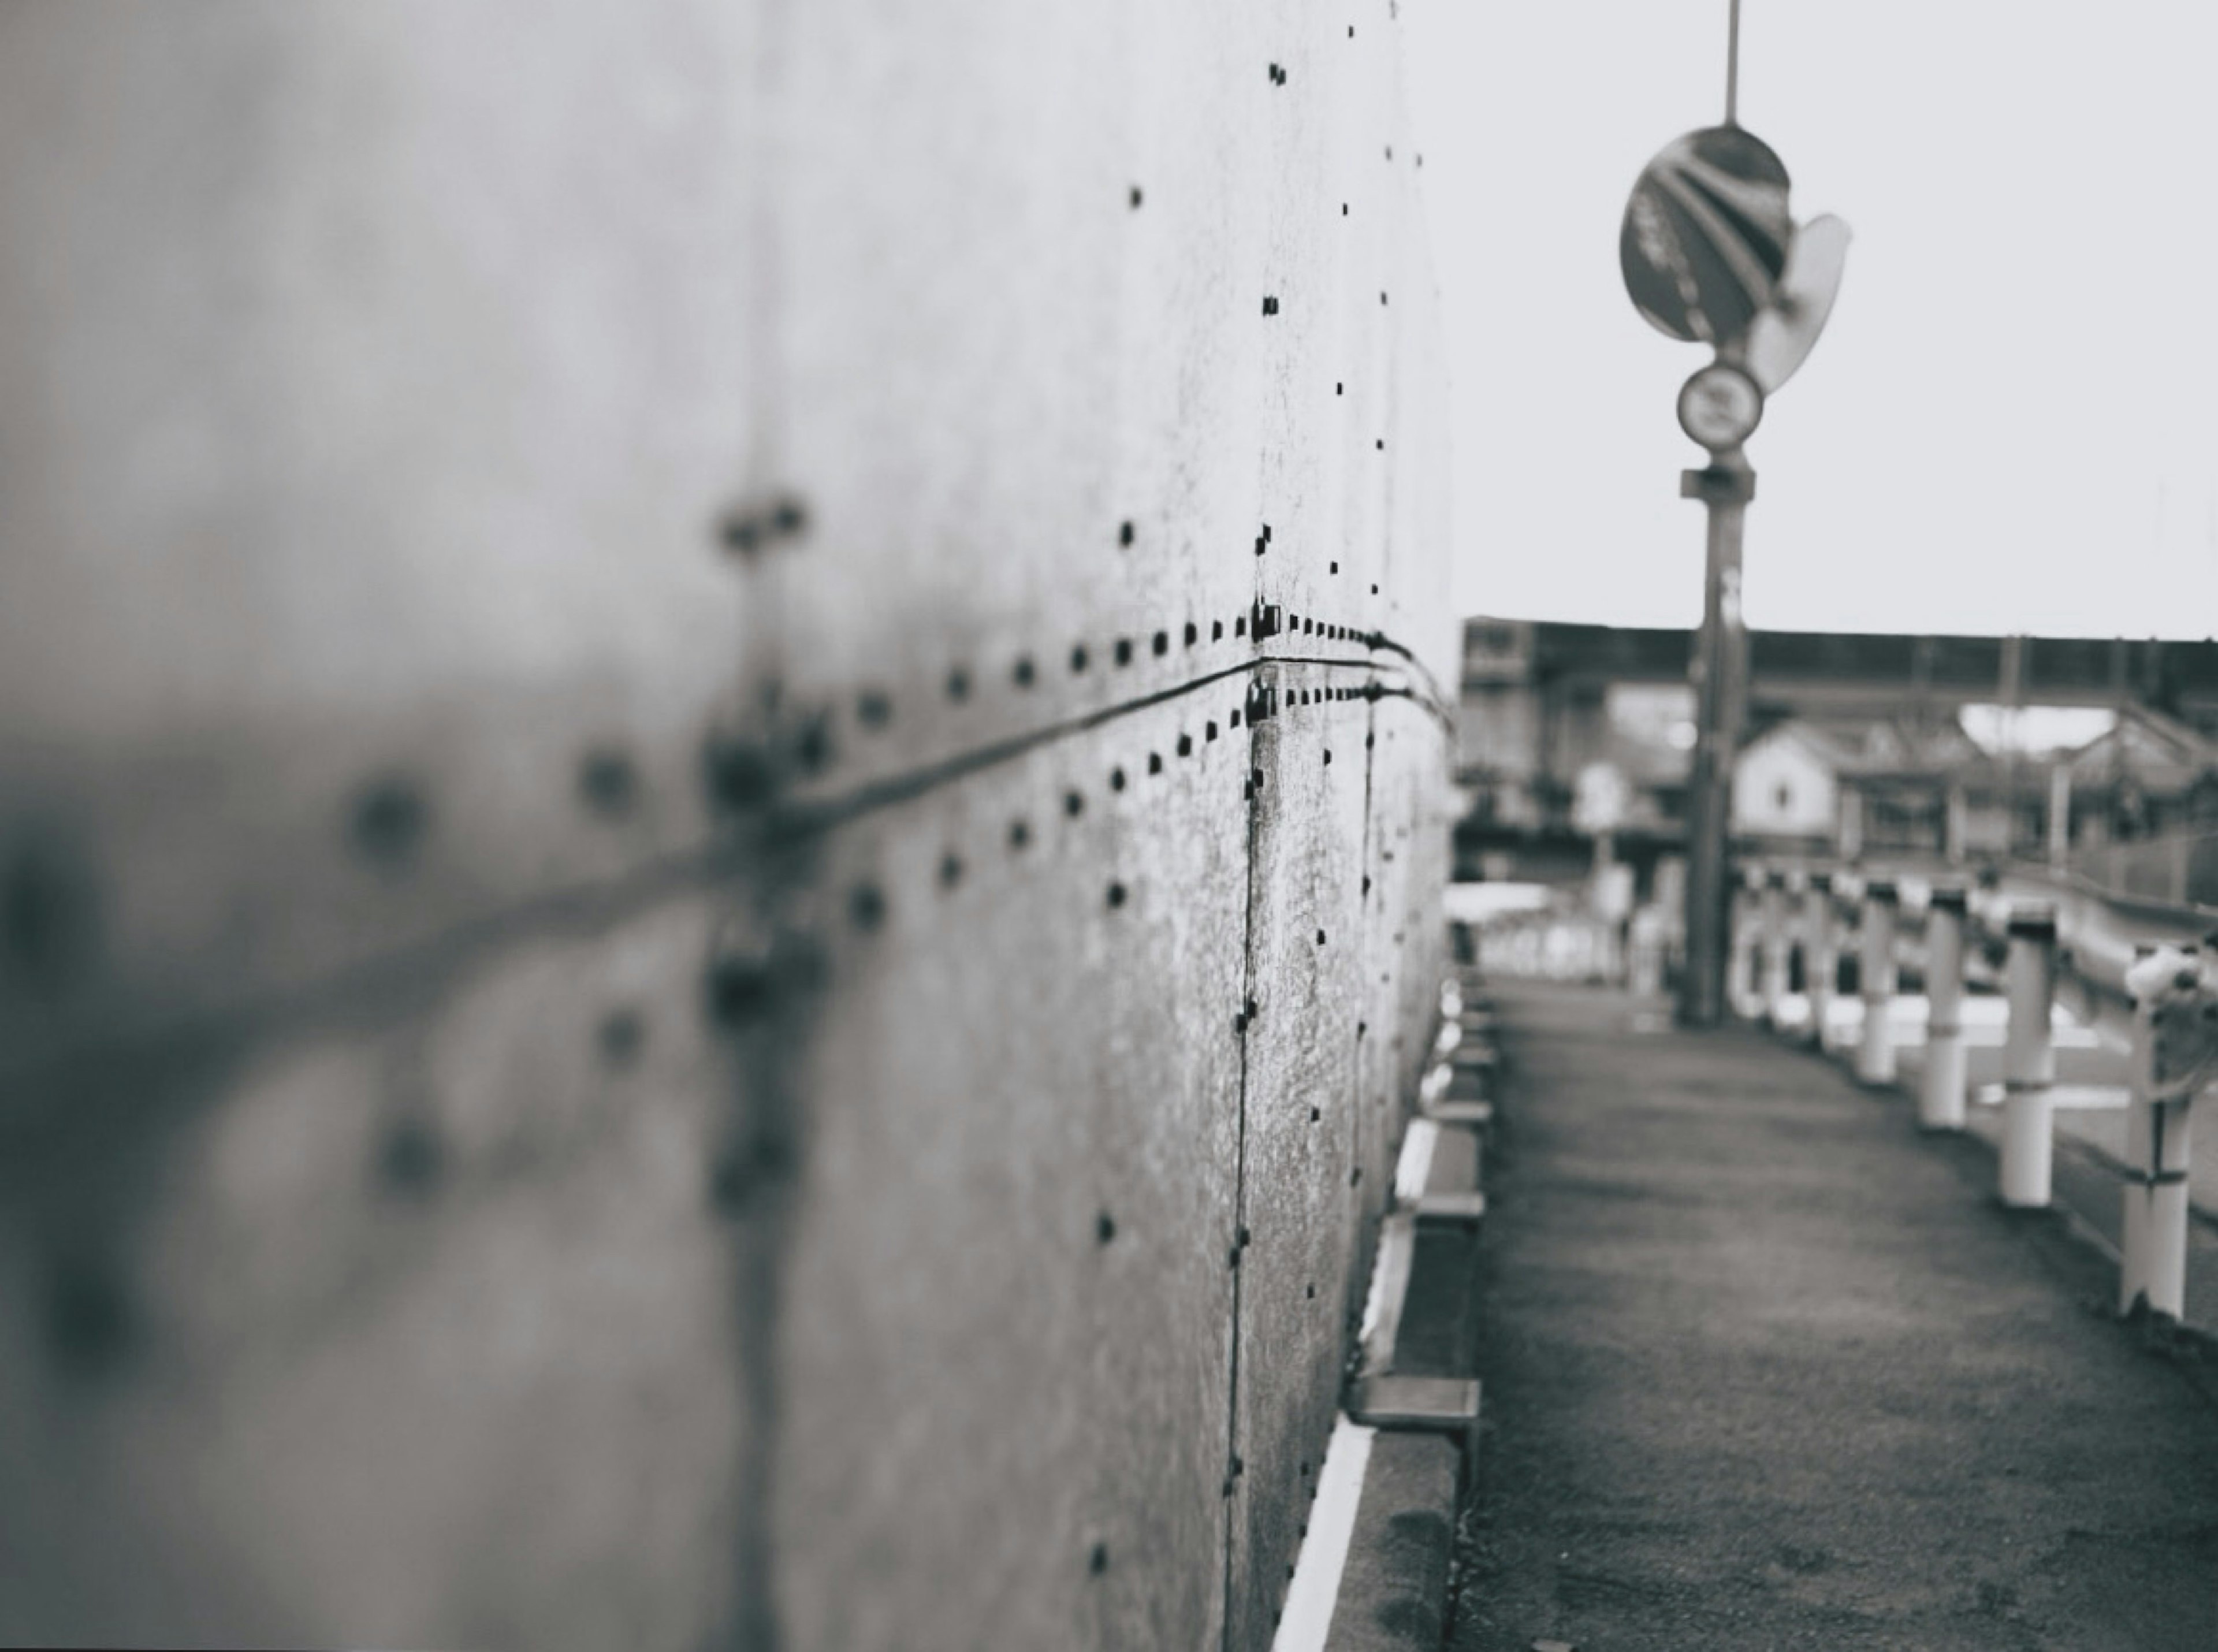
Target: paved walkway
1764,1369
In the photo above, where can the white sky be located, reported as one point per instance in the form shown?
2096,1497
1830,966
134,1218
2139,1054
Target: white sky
2011,423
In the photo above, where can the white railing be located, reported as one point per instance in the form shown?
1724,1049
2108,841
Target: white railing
2143,974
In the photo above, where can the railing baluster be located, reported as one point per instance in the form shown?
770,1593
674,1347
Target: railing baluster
2029,1056
1941,1097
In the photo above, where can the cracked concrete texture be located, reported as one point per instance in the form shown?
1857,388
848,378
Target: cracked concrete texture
1764,1369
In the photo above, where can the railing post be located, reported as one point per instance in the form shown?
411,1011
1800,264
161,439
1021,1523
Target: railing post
2172,1059
1821,955
1745,924
1940,1099
2029,1056
1777,943
1875,970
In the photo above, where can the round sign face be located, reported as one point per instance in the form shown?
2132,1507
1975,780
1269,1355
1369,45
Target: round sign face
1706,235
1719,406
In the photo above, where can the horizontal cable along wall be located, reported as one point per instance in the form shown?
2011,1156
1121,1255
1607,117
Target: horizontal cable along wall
723,792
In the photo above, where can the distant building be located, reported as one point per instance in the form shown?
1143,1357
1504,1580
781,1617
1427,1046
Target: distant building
1857,744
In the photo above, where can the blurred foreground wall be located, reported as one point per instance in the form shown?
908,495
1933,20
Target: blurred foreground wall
674,970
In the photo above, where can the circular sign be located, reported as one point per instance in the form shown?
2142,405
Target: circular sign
1707,234
1719,406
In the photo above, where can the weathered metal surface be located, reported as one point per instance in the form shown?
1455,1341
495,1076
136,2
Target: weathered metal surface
633,841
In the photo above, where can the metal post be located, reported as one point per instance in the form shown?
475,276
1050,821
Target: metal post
1720,684
2153,1268
1875,967
2060,816
1940,1099
1777,944
2029,1056
1745,925
1821,952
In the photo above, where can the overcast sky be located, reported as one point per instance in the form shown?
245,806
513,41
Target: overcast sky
2011,423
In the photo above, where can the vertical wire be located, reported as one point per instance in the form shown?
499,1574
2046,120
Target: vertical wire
1732,66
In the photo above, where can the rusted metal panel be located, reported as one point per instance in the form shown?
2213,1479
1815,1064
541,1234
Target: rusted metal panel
634,845
1008,1336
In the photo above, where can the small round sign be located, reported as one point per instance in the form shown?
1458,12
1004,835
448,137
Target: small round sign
1720,406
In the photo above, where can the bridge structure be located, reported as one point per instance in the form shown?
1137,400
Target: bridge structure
1882,1315
723,783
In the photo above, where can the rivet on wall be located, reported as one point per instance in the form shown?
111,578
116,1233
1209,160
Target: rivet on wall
1073,803
1161,643
1186,745
1124,651
1098,1562
866,907
622,1034
1193,634
1124,534
389,822
91,1327
1023,671
1155,763
951,870
737,774
1136,197
1270,306
958,680
1117,780
1116,895
1020,834
812,743
1217,630
873,709
409,1158
607,781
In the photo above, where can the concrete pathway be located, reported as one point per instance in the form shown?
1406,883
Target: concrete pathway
1765,1369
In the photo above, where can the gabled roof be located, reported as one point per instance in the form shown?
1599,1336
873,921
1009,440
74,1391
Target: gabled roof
2146,744
1882,747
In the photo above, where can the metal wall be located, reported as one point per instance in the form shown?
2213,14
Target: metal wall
673,970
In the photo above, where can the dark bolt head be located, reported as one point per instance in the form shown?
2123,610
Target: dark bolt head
89,1322
1098,1562
607,781
866,907
388,821
1105,1228
812,744
737,775
740,986
622,1034
410,1159
49,916
873,709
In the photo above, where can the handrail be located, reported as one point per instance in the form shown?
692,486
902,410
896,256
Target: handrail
2142,972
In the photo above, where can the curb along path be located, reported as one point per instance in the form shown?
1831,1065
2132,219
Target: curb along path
1765,1369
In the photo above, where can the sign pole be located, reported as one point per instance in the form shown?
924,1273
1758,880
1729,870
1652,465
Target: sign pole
1733,66
1720,674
